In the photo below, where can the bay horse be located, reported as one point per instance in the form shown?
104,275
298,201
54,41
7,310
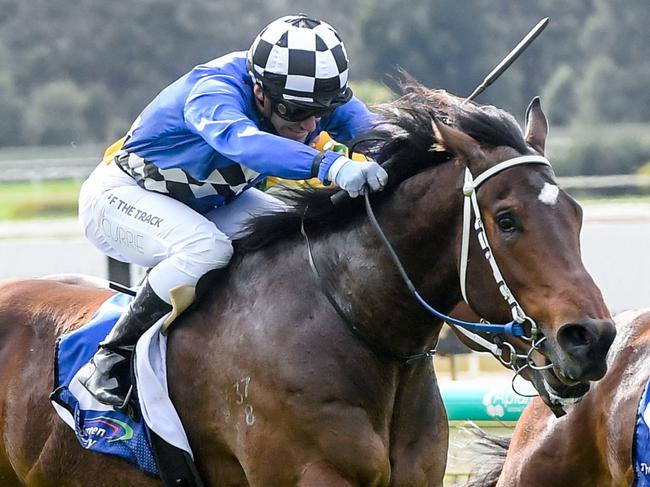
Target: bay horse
593,444
273,386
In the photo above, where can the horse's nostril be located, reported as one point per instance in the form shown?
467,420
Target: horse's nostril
575,335
586,345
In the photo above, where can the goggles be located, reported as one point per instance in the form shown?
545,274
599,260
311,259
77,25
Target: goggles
295,113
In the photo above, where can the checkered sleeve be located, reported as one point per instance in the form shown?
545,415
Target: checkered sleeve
215,111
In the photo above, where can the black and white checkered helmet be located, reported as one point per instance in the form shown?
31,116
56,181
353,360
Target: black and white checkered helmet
301,61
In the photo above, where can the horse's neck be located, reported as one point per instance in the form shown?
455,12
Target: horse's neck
367,283
422,223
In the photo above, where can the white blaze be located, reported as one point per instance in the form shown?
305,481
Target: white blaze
549,193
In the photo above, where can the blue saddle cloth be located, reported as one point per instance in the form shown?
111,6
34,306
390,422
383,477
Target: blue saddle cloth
641,447
98,428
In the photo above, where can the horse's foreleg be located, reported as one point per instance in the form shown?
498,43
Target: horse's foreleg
322,475
8,477
419,430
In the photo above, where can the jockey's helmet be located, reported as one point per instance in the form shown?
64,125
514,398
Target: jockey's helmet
301,64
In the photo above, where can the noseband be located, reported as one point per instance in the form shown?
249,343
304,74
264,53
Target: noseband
514,328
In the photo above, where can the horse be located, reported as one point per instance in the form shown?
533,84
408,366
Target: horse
283,378
593,444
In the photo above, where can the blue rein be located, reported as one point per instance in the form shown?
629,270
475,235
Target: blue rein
511,328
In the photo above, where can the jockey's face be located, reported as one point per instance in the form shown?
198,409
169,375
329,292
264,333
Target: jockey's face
291,130
294,130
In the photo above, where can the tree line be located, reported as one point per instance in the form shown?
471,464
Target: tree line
78,72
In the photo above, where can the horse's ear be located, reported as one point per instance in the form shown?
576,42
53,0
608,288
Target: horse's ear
536,126
452,140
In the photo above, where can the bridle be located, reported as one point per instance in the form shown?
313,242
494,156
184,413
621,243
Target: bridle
515,361
514,328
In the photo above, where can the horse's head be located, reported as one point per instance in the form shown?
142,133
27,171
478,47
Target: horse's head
532,228
475,160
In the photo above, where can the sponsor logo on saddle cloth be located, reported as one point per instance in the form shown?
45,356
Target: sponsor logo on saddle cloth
98,427
641,447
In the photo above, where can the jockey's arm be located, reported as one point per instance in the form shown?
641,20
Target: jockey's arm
350,121
214,111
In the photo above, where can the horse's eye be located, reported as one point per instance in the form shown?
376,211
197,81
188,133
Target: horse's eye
506,222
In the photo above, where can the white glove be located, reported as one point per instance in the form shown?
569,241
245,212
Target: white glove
352,176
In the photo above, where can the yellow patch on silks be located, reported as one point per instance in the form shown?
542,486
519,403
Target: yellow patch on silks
181,297
111,151
323,142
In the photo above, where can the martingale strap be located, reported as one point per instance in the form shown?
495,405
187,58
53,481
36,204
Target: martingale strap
378,348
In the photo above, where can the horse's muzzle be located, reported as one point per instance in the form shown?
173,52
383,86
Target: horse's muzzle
585,345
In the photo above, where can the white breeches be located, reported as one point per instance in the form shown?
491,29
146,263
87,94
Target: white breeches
150,229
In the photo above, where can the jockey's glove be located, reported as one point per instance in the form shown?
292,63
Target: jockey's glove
353,176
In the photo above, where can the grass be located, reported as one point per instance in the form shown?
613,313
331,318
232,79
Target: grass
47,199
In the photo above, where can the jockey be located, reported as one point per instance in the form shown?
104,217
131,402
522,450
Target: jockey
182,183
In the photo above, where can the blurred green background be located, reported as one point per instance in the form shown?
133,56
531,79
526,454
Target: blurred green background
73,75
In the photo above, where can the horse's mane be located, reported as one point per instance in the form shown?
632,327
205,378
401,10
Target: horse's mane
404,134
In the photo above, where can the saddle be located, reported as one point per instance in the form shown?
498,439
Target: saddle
147,435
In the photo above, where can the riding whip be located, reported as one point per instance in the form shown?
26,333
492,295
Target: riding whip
509,59
489,79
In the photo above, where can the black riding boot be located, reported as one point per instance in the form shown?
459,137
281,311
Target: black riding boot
107,376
